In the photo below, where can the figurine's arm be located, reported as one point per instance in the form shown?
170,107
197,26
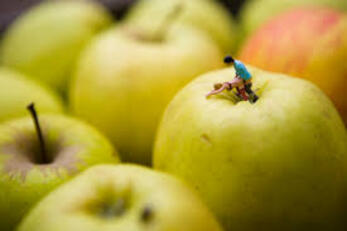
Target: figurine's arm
218,88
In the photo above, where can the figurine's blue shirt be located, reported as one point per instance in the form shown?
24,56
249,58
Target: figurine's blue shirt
241,70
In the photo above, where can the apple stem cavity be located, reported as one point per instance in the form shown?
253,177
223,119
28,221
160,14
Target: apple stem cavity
42,158
168,21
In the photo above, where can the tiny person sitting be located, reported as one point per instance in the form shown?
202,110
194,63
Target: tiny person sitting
242,81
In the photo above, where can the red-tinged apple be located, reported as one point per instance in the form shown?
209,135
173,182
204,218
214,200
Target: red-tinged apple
36,159
121,198
255,13
310,43
277,164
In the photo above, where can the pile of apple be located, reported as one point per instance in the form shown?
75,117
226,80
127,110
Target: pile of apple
104,124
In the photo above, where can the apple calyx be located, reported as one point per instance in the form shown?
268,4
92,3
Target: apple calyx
42,158
116,209
110,204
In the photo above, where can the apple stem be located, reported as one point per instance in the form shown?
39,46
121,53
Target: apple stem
43,157
168,21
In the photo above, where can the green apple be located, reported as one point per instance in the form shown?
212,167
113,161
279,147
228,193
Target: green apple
17,91
46,41
126,77
118,198
29,170
257,12
208,16
277,164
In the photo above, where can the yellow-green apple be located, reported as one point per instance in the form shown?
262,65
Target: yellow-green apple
257,12
35,160
17,91
308,43
208,16
277,164
46,41
126,77
118,198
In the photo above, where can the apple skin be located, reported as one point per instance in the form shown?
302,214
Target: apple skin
22,182
46,41
278,164
208,16
312,46
257,12
17,91
122,84
173,204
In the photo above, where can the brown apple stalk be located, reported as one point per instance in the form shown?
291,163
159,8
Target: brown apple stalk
43,157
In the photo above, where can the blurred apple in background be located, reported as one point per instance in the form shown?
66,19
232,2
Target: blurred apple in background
119,198
10,10
46,41
310,43
17,91
207,15
126,77
28,171
254,13
274,165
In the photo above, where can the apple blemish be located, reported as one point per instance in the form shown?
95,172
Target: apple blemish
147,214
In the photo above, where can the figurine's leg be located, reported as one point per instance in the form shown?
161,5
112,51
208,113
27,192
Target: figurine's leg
248,88
238,90
243,93
253,96
238,93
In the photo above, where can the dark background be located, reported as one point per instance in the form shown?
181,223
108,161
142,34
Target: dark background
10,9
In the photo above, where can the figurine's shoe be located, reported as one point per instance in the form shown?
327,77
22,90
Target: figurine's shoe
254,98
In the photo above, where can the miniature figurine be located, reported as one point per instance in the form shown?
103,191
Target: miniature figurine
242,82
